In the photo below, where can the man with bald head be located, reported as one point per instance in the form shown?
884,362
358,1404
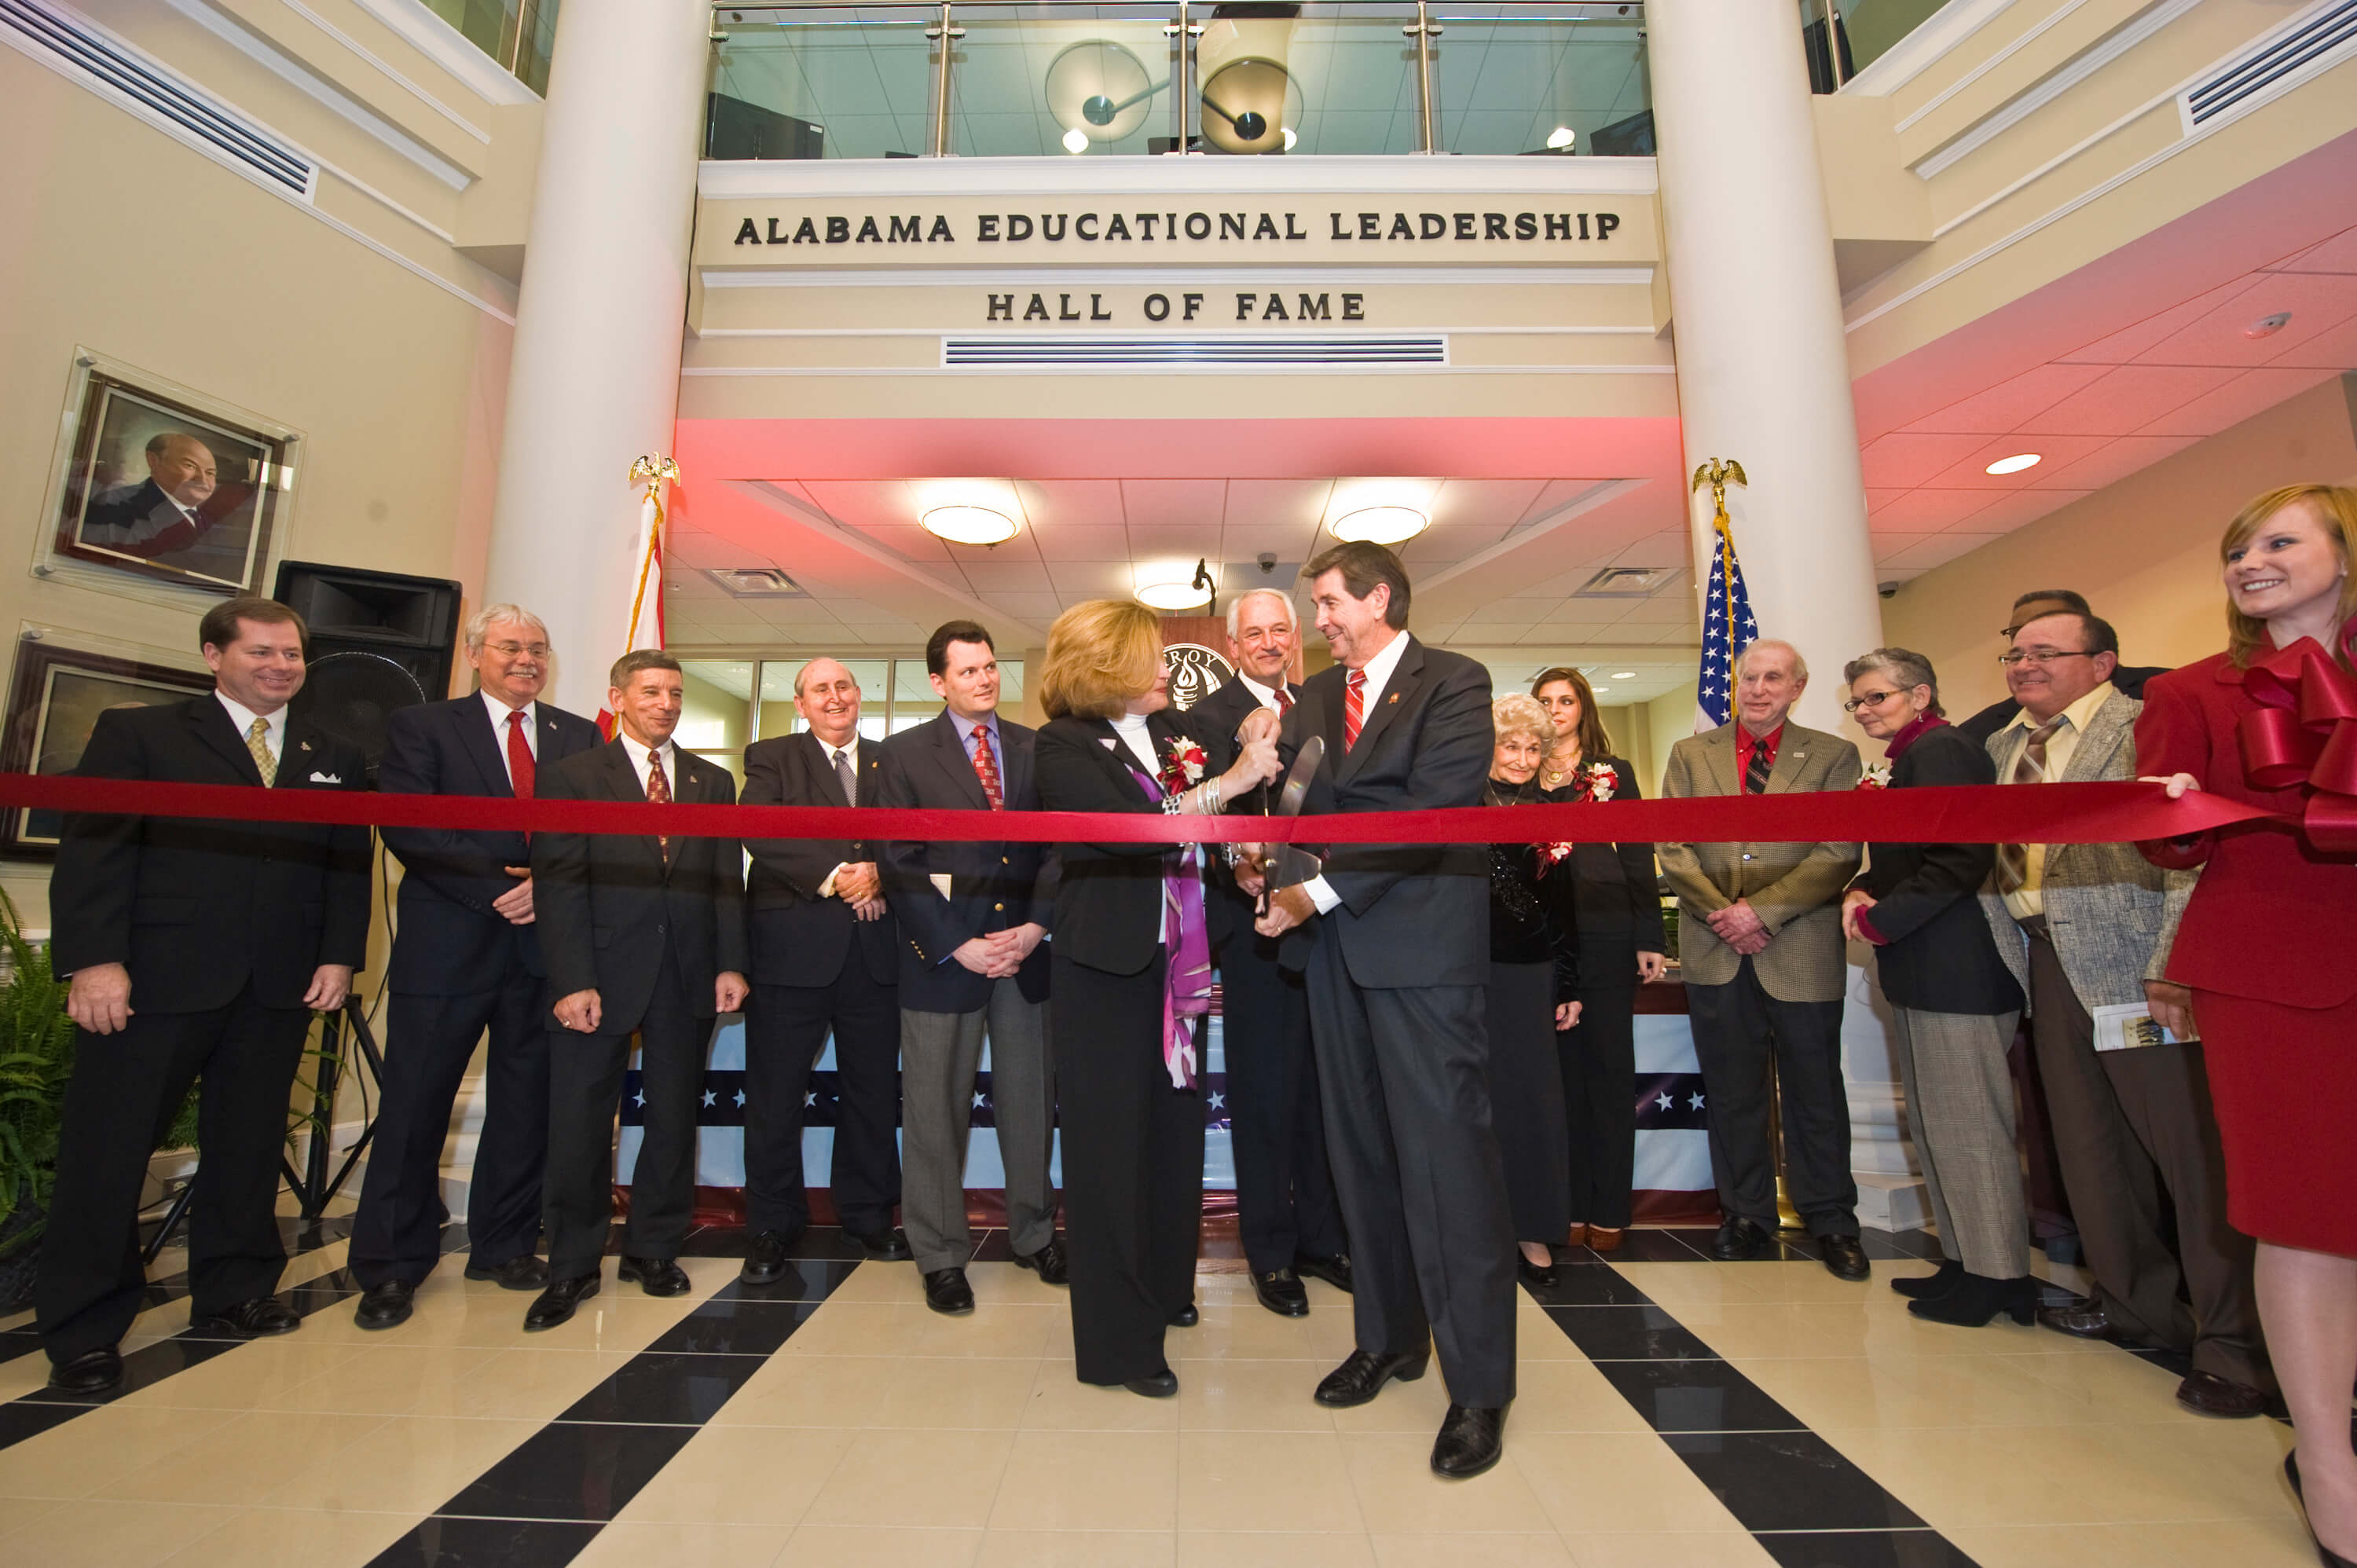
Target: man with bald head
824,958
160,514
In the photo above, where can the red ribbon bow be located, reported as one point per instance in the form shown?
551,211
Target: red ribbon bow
2304,736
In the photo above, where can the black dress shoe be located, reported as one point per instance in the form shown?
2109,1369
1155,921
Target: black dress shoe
1845,1257
1335,1270
255,1319
387,1305
2207,1393
1740,1241
1048,1263
656,1277
1280,1291
1540,1274
526,1272
91,1372
1186,1316
556,1304
2324,1554
765,1256
946,1291
1976,1298
1471,1439
1161,1386
2084,1318
1925,1287
889,1245
1362,1374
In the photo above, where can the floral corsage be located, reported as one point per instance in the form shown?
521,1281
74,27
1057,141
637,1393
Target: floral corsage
1875,777
1183,768
1552,855
1603,779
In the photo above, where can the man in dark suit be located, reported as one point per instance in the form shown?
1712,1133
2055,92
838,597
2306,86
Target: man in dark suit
466,956
2128,681
972,917
1286,1207
197,949
162,513
825,958
640,933
1397,1008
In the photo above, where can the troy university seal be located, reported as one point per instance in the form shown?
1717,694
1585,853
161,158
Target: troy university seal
1196,671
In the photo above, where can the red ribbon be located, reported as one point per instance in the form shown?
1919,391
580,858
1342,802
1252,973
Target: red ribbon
2303,735
1987,813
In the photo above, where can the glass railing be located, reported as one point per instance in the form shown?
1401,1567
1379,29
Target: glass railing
519,34
1844,37
1041,78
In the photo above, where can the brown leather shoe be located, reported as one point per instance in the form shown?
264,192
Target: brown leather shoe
1604,1238
2207,1393
2082,1319
1578,1237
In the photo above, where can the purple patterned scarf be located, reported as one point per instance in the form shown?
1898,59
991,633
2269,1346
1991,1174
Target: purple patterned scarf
1186,980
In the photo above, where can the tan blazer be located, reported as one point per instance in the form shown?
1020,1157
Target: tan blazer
2111,913
1796,888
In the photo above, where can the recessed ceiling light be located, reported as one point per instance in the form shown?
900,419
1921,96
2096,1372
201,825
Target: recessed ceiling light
968,524
1291,138
1076,141
1561,138
1380,524
1624,674
1599,691
2015,464
1172,596
2268,326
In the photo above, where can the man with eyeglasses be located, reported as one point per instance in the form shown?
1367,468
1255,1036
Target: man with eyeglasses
2126,679
2088,925
464,957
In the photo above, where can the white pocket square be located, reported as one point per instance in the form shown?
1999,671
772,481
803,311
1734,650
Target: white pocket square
327,777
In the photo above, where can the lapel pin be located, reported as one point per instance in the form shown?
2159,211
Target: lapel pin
303,744
1392,698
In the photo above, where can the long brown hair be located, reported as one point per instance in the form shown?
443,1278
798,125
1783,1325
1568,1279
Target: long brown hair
2247,635
1595,744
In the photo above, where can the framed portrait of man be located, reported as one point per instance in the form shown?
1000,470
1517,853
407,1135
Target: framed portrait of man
54,699
163,485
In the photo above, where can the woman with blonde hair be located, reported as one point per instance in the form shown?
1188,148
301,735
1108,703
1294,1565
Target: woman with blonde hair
1131,983
2266,945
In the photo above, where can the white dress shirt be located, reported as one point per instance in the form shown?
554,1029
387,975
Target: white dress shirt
243,717
1379,675
847,752
1267,694
500,711
638,754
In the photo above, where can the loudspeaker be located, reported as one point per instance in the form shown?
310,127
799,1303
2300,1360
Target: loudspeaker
379,641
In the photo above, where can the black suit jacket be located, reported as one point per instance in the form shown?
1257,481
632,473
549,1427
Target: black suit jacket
1985,724
1941,957
1109,896
1410,914
607,903
1232,911
993,887
1613,894
450,942
799,938
197,909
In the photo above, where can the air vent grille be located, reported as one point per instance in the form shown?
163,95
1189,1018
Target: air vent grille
757,583
69,43
2302,47
1622,583
1336,351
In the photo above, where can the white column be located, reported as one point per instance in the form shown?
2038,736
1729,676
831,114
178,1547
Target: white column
594,382
1763,368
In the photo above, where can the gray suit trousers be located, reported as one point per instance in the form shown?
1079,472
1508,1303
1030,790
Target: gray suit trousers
1960,1105
939,1053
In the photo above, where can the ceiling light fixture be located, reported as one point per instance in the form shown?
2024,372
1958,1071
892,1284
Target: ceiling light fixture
1380,524
1561,138
1076,141
1290,139
2268,326
1624,674
1175,595
2015,464
968,524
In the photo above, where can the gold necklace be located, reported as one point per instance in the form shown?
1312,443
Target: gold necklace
1554,777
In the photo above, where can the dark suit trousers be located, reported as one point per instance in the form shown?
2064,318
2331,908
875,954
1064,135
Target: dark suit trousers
2126,1125
1404,1074
784,1034
1759,1054
585,1080
1598,1058
1284,1193
1132,1169
126,1089
396,1234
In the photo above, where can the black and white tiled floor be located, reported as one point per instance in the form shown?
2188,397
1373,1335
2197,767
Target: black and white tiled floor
1673,1412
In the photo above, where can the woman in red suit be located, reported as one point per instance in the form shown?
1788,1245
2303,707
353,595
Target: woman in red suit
2268,947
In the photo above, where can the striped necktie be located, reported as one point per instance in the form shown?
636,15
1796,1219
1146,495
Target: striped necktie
659,794
257,742
986,768
2029,768
1354,707
1763,763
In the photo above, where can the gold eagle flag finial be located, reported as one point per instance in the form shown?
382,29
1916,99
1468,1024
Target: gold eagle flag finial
1718,473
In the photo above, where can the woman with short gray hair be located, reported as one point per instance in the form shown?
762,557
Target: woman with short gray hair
1954,1004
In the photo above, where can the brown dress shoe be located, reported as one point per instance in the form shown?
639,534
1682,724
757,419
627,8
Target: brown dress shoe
1604,1238
1578,1237
2207,1393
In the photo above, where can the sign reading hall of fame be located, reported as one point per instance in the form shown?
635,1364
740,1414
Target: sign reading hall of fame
1196,671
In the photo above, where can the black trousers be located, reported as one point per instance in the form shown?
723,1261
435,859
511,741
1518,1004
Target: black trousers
1742,1035
1284,1192
585,1081
126,1089
1598,1060
785,1033
1404,1077
1526,1098
396,1234
1133,1168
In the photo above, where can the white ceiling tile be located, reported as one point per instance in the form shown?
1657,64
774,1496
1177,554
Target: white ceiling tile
2004,406
2338,254
1196,505
1071,503
1038,608
2316,301
989,575
1493,504
2252,391
1937,550
1066,542
1091,579
863,503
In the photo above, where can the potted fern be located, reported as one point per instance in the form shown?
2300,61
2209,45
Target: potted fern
36,1052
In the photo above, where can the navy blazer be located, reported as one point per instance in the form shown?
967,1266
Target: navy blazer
197,909
799,938
449,940
1941,956
993,887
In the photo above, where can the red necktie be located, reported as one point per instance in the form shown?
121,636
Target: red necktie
986,768
520,761
1355,703
659,794
1283,702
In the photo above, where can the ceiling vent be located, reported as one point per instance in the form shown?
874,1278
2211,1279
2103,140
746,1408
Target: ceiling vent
757,583
2305,45
1624,583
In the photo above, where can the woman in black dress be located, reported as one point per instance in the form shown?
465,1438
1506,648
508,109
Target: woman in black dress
1533,969
1615,908
1131,982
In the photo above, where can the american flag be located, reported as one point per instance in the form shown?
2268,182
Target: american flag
1727,630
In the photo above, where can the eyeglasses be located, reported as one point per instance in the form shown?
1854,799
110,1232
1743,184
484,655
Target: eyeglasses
510,649
2040,658
1871,699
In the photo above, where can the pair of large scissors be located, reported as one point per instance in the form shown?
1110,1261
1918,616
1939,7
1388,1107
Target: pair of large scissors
1281,864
